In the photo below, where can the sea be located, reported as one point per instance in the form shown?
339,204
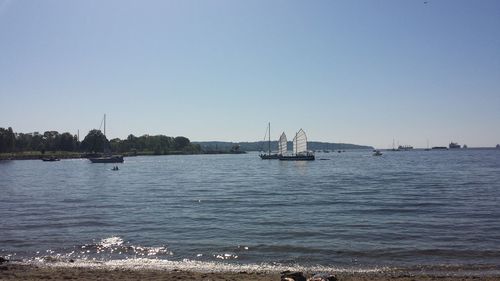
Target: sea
425,211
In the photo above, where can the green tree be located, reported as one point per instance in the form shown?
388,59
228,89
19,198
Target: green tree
66,142
95,141
180,143
7,140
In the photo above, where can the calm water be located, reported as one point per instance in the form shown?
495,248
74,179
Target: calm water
403,209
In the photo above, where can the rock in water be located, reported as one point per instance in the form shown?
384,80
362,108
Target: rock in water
292,276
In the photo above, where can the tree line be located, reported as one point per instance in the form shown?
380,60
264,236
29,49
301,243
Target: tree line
94,142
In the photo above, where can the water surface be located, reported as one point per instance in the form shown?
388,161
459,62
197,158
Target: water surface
403,209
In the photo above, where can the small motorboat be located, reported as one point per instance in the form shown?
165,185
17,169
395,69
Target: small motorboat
377,153
115,168
50,159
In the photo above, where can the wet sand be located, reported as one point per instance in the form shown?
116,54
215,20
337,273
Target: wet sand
33,272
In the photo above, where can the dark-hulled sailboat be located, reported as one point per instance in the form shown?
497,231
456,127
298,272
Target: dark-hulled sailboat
268,156
106,157
300,152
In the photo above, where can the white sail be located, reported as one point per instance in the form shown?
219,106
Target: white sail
282,144
300,143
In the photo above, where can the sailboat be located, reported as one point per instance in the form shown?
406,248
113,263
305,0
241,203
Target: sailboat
268,155
300,152
107,157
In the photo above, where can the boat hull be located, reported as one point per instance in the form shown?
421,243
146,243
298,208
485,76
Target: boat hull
111,159
269,156
297,158
50,159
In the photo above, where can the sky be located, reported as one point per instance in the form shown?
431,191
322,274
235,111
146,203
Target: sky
363,72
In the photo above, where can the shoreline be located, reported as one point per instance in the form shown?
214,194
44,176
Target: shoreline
73,155
22,271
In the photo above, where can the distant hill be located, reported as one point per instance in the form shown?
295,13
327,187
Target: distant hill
261,145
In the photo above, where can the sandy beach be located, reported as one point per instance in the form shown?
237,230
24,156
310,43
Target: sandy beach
33,272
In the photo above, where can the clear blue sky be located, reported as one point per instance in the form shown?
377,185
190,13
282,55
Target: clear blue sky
361,72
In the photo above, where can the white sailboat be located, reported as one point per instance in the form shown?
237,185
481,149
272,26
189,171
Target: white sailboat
300,152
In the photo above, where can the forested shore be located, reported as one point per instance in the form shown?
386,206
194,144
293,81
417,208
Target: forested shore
66,145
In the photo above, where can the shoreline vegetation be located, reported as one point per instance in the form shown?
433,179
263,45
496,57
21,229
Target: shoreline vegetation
34,272
32,146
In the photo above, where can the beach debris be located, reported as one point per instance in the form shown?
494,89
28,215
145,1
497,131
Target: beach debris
292,276
323,277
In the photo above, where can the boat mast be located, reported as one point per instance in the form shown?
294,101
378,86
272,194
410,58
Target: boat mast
269,125
296,144
104,139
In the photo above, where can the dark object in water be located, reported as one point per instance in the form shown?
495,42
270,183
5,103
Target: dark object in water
115,168
323,159
440,147
3,260
292,276
107,159
300,157
454,145
50,159
269,156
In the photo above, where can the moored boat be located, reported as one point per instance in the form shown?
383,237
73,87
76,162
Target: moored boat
107,157
50,159
405,147
269,155
300,152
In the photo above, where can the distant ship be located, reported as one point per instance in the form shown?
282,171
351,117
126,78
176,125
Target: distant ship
405,147
268,155
498,146
454,145
300,152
